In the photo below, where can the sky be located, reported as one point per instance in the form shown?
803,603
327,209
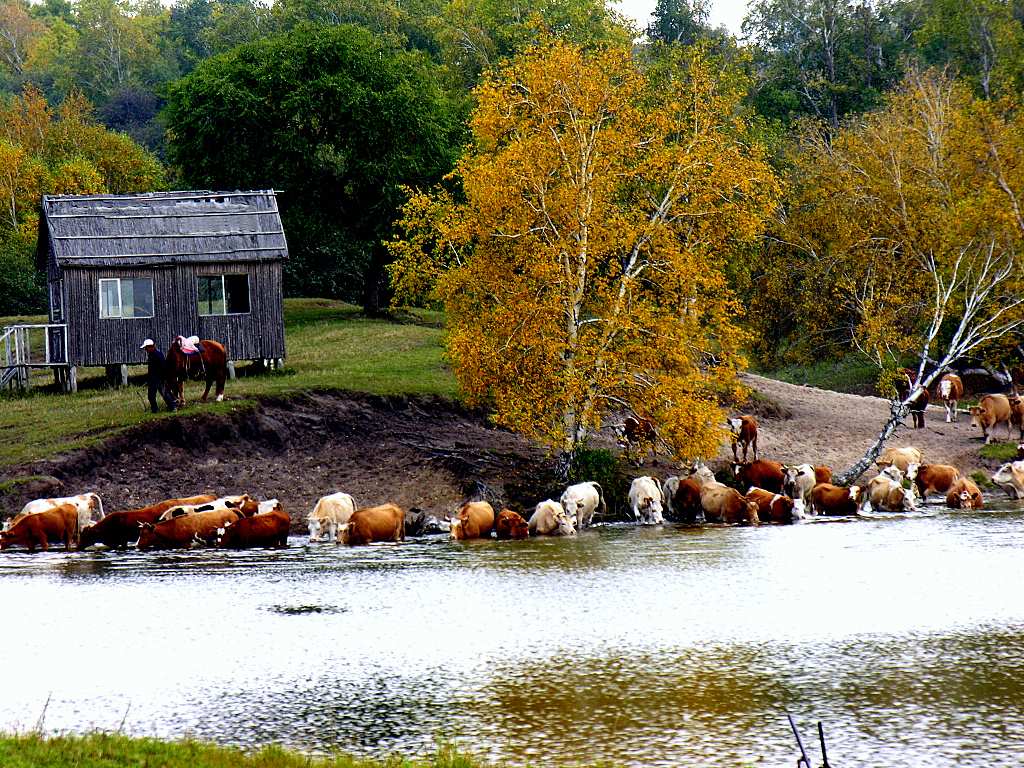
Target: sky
723,12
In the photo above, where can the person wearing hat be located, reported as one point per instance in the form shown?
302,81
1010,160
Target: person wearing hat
155,376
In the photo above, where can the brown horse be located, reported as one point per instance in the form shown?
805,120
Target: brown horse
211,362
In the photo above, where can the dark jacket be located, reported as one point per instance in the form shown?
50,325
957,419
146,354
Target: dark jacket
157,367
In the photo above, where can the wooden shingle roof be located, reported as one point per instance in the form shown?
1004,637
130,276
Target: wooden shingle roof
161,228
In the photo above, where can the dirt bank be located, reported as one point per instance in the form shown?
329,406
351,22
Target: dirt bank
421,452
832,428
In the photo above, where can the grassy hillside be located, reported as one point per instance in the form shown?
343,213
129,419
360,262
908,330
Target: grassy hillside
330,346
112,751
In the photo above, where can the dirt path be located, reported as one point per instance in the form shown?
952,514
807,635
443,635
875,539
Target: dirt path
835,429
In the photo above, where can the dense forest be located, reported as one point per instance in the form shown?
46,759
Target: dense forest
350,106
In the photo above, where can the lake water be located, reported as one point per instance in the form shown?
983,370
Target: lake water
654,647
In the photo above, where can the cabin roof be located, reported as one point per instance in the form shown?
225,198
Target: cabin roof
159,228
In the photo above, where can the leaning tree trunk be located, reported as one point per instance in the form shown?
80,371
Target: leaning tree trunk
898,410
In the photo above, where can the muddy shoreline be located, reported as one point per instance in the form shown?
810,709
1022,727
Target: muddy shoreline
422,452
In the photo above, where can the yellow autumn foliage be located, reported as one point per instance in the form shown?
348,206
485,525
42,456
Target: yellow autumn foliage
921,191
578,246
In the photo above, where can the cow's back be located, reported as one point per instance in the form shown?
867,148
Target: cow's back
381,523
996,408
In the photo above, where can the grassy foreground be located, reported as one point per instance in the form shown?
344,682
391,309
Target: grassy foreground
330,345
114,751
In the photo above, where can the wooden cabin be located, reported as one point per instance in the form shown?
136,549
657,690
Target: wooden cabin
123,268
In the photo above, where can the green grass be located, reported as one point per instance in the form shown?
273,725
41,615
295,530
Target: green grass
115,751
999,451
982,480
849,374
330,345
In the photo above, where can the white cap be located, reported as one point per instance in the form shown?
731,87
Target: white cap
146,343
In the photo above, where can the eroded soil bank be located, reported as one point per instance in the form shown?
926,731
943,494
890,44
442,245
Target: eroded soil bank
422,452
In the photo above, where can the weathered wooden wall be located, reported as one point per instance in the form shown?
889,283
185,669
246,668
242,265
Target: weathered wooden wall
94,341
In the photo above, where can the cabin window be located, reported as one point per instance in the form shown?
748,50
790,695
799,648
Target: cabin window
223,294
126,297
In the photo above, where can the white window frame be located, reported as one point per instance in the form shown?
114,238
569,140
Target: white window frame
224,294
120,301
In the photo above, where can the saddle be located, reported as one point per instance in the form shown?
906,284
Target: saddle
189,345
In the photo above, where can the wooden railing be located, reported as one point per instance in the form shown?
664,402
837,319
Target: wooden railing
20,355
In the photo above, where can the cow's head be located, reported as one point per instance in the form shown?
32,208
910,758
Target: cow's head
750,513
95,504
977,416
315,527
912,469
566,524
734,425
344,533
894,473
855,491
737,468
783,507
147,535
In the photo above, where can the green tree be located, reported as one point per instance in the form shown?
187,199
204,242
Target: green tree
680,21
983,40
339,121
824,58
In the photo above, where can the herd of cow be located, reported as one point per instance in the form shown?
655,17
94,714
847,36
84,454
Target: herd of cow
775,493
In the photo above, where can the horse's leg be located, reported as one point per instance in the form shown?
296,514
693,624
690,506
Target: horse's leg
222,373
209,383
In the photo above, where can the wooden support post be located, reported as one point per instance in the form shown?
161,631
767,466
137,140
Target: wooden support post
124,375
72,386
231,369
278,363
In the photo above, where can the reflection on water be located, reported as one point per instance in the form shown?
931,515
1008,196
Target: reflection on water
654,647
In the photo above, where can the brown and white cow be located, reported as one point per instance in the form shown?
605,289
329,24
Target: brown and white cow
217,505
723,504
899,457
1010,477
59,523
509,525
1017,415
183,531
828,499
888,494
89,506
772,507
474,520
950,391
385,522
744,432
965,494
990,412
935,479
761,473
550,519
264,529
119,529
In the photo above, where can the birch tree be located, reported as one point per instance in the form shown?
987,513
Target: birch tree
579,256
911,234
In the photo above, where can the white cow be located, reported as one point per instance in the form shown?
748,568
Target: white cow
328,515
580,501
1010,477
550,519
89,506
646,501
797,483
901,457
